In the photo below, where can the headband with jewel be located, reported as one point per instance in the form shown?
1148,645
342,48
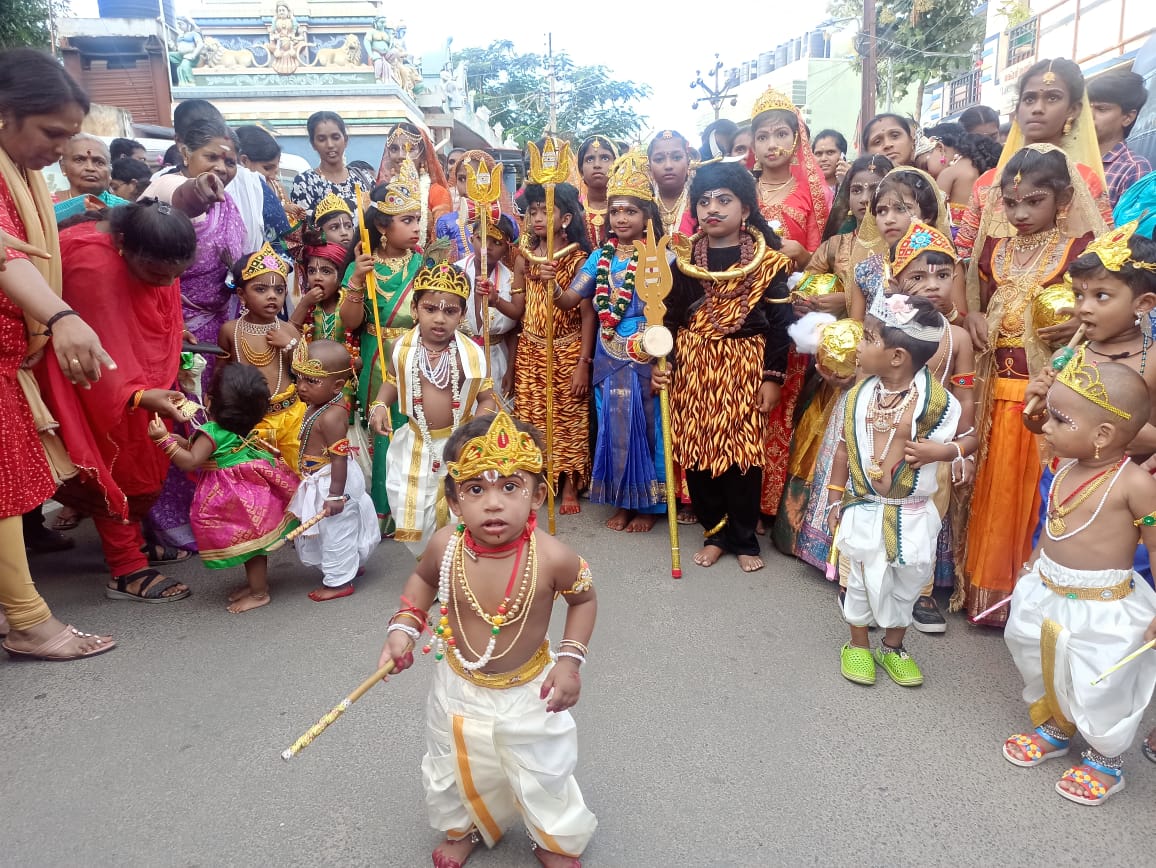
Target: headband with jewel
772,100
1113,250
407,139
403,193
919,238
442,277
502,450
331,204
1049,76
1083,378
897,312
264,261
630,177
308,367
597,143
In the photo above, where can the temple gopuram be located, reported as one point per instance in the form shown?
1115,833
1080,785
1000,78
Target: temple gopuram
275,64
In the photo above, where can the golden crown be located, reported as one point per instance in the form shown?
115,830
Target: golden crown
331,204
630,176
502,449
1113,250
401,134
772,99
1083,378
442,277
308,367
264,261
403,193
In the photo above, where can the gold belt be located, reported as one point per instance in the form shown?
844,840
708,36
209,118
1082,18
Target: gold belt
283,404
1112,592
434,433
525,673
559,340
387,333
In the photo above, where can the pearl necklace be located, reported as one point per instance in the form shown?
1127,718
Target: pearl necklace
1095,514
256,328
880,419
437,373
418,413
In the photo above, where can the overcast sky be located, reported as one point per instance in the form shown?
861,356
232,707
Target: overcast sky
657,45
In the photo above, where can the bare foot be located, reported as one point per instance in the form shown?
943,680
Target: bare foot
707,555
619,519
641,523
78,643
750,563
326,593
686,515
569,498
247,602
550,859
238,592
761,527
454,854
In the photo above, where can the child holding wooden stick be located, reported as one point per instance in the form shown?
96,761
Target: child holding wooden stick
500,742
1078,606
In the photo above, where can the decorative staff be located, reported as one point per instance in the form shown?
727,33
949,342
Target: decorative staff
549,167
657,342
1145,647
484,187
336,712
306,525
371,281
975,619
1058,364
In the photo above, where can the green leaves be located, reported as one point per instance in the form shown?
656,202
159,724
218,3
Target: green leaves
516,89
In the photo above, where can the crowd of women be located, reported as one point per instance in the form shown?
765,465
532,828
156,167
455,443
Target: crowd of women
113,316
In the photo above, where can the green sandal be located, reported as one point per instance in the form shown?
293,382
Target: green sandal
857,665
898,664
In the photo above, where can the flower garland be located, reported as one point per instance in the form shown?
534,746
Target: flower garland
610,312
418,414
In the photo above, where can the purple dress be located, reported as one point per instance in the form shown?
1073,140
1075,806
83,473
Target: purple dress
207,304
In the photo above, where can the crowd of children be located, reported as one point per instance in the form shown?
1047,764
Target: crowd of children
972,424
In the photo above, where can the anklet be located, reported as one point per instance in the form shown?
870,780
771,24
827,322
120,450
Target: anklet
1106,764
1050,729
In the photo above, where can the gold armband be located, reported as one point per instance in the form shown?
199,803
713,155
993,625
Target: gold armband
585,580
341,447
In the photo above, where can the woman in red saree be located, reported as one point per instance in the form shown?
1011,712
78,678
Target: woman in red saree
795,199
120,273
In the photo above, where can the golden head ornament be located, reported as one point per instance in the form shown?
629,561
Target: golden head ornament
501,451
264,261
442,277
1083,378
403,193
920,238
1114,251
331,204
771,100
630,176
308,367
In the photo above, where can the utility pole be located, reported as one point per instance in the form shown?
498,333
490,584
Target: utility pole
890,80
553,85
870,67
718,94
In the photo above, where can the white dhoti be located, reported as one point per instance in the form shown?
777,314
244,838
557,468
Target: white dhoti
1066,627
413,482
495,754
340,544
878,590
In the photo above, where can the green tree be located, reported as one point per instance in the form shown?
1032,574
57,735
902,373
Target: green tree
24,23
920,42
515,88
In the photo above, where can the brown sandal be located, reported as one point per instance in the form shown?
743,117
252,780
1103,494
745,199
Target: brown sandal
44,651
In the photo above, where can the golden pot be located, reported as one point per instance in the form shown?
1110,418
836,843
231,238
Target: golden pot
839,347
1048,303
818,284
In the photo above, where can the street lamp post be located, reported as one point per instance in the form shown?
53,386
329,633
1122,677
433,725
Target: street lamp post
718,94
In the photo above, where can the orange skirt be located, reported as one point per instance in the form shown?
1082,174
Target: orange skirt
1005,505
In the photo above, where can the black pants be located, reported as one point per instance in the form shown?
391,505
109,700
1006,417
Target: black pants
733,496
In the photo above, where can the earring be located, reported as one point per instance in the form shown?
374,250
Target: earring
244,310
1097,455
1067,126
1137,319
744,226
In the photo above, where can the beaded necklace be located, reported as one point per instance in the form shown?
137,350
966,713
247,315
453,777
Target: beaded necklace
880,419
611,310
307,428
418,408
1055,524
453,571
714,293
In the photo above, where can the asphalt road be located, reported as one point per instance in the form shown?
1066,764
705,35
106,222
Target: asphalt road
715,730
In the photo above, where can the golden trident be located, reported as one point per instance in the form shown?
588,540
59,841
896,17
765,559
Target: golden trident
549,167
485,187
657,342
371,281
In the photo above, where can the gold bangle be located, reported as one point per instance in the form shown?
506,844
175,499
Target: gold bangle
838,488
